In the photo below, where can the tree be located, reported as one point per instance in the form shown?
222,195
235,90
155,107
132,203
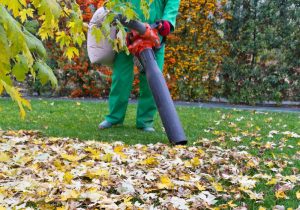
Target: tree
22,50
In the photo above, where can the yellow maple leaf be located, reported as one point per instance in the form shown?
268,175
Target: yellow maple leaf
4,157
58,164
25,13
165,183
95,153
273,181
195,162
102,173
71,52
98,173
185,177
71,158
251,164
200,187
231,204
107,157
118,149
150,161
14,6
104,183
200,152
70,194
127,201
63,39
35,166
218,187
2,208
262,208
44,31
298,195
280,194
67,11
68,177
71,24
2,190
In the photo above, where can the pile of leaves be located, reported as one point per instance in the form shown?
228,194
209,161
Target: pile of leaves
40,172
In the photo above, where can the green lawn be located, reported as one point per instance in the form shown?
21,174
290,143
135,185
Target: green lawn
271,137
79,119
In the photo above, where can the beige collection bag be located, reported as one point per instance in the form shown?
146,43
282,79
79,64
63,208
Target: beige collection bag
101,52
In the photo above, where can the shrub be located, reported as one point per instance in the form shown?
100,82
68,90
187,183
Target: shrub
196,50
263,63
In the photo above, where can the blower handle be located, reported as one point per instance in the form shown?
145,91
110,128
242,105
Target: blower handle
132,24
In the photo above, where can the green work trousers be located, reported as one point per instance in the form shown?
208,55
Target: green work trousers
122,78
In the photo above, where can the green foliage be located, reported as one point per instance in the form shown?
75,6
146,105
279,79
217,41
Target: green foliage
13,47
118,7
34,44
45,73
20,68
264,61
253,85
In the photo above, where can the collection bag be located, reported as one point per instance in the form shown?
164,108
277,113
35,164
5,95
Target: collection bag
100,52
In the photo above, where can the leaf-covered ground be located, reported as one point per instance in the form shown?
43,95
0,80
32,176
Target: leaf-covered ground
41,172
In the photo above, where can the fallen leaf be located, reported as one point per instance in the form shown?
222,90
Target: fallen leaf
4,157
68,177
273,181
280,194
218,187
165,183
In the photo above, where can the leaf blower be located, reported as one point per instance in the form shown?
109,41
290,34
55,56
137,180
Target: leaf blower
142,39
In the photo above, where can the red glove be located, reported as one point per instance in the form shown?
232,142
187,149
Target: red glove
165,28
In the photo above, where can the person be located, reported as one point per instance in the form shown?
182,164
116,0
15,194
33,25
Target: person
122,77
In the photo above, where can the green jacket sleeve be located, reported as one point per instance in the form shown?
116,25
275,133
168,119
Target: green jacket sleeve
171,11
